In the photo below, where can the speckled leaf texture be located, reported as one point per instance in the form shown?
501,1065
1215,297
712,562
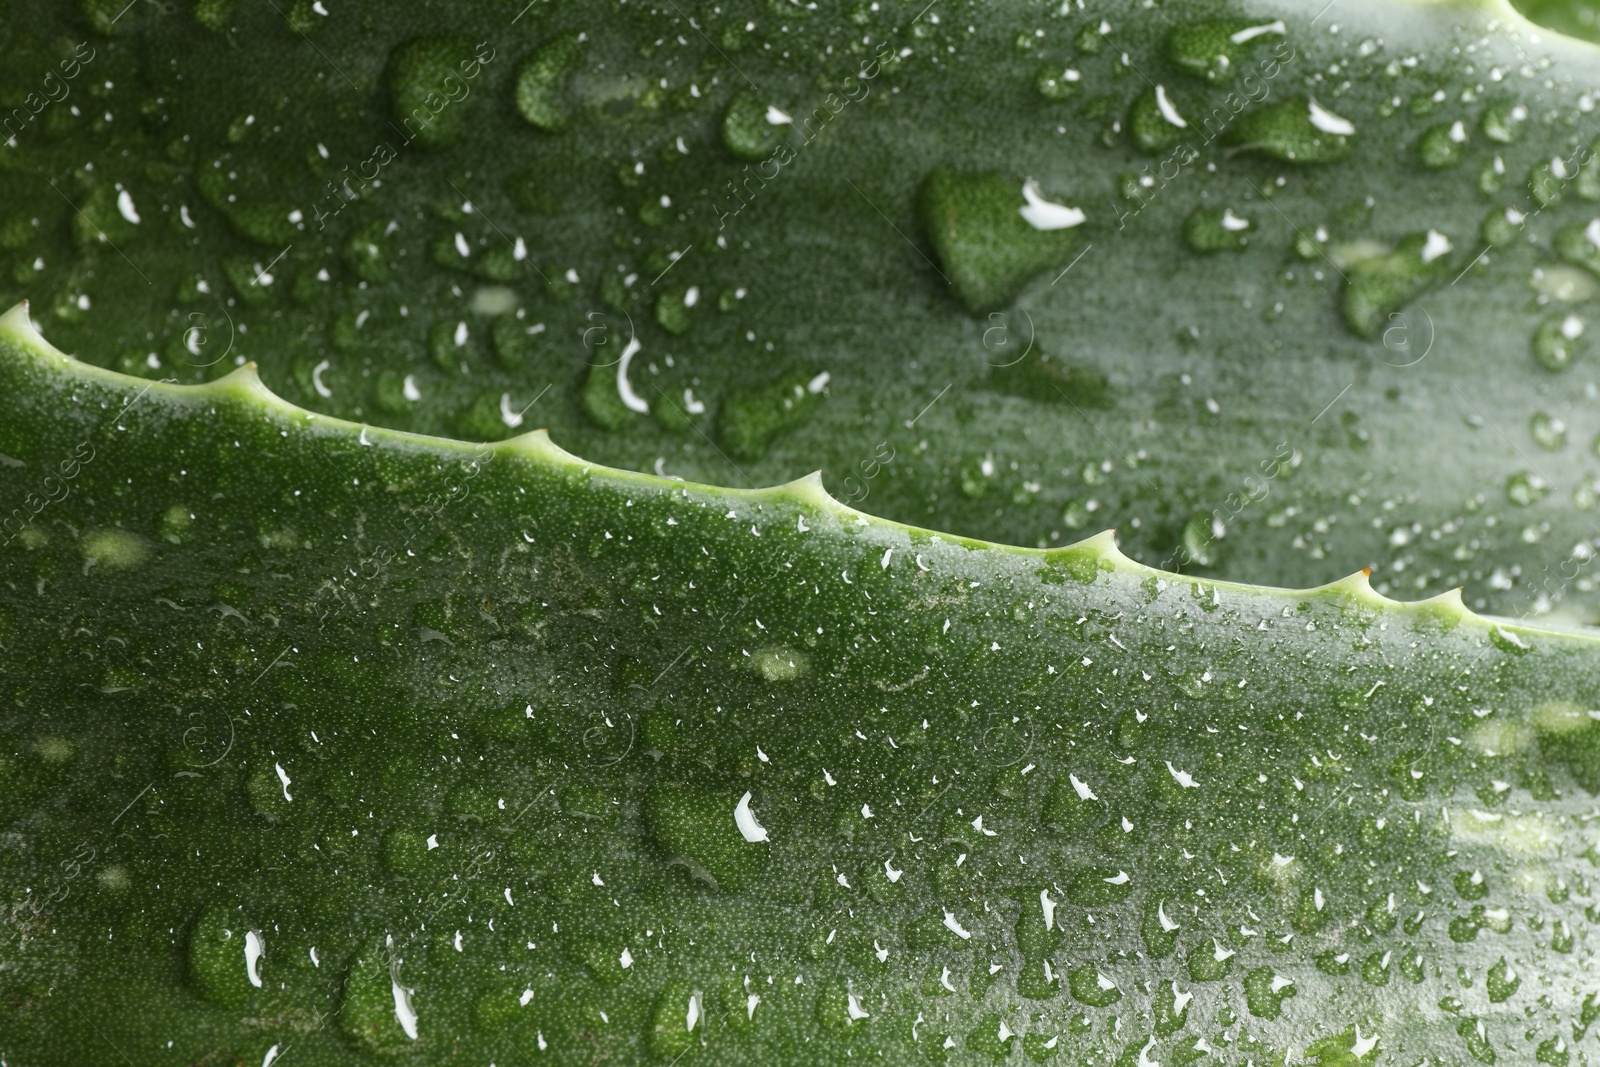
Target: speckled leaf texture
325,741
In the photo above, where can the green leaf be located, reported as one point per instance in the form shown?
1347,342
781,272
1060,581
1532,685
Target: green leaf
756,194
370,747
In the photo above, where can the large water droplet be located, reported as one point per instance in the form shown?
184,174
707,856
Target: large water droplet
217,963
1548,432
1265,991
1058,83
1092,986
987,247
1501,226
1579,244
380,1010
1156,120
1295,130
751,420
429,84
542,94
679,1022
1555,341
1380,285
1525,488
1503,123
1214,49
752,127
1547,181
1045,378
1442,146
696,824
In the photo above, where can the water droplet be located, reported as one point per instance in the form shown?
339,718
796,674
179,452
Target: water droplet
379,1012
695,824
1552,1052
1502,226
1503,123
1057,83
1074,811
600,399
1155,121
751,420
1377,286
1548,431
101,220
1217,230
1442,146
988,249
1491,176
405,852
675,308
518,342
991,1038
1501,981
214,15
678,1022
1547,181
1579,244
1476,1035
1198,543
1555,341
780,664
106,17
1295,130
1042,377
1093,887
748,129
1091,38
1525,488
1214,49
429,84
114,549
1091,986
218,962
542,94
1158,929
1209,961
1588,183
839,1009
1265,992
1172,1009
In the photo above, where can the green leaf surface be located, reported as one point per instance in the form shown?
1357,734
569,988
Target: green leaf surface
1578,18
368,747
642,230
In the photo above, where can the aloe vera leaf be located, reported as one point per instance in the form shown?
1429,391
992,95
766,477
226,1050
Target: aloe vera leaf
1170,369
371,747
